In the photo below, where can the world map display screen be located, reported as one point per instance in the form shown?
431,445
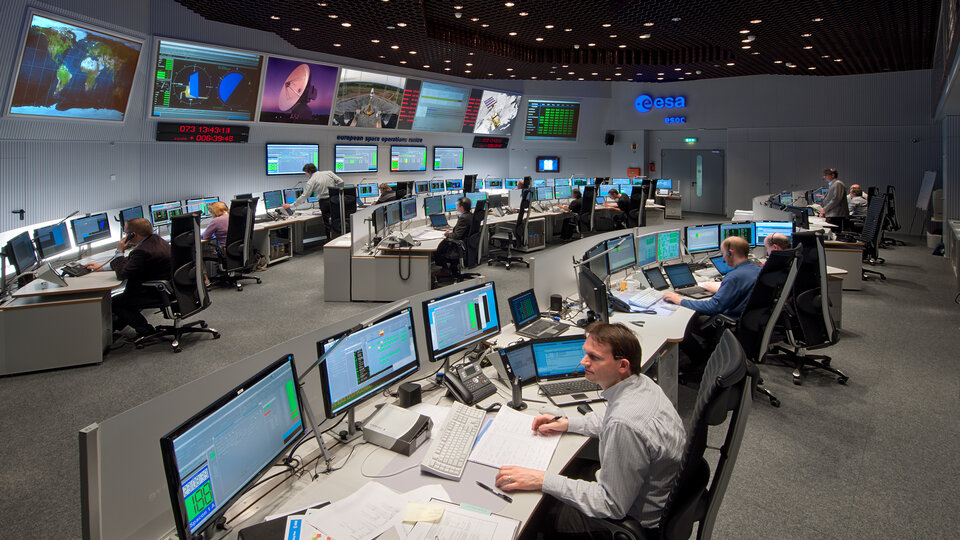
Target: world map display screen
74,71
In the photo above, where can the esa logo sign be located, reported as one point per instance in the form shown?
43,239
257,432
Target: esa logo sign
645,103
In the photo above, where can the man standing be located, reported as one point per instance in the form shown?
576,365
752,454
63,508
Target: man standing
641,441
318,185
834,203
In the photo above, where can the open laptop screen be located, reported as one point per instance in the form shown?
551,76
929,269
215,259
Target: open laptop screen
721,266
680,275
524,308
520,359
438,220
559,357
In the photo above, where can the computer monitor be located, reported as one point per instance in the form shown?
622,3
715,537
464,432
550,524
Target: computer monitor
290,158
562,182
454,184
520,359
366,361
200,205
545,193
393,213
408,158
91,228
433,205
475,196
134,212
668,245
213,458
51,240
478,184
511,183
766,228
421,186
646,249
161,213
604,190
620,181
450,202
368,190
241,196
593,293
460,319
580,181
437,185
355,158
562,192
743,230
786,199
495,201
408,208
559,356
598,263
819,194
290,195
494,183
272,199
622,253
703,238
20,252
539,182
548,164
448,158
665,184
379,219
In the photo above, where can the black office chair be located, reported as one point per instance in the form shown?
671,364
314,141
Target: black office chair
696,497
237,257
870,236
890,222
183,295
637,207
506,240
807,320
474,238
585,219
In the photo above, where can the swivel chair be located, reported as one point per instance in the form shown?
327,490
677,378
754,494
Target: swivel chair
474,240
585,219
237,257
637,207
890,222
807,320
343,204
183,295
507,240
696,496
870,235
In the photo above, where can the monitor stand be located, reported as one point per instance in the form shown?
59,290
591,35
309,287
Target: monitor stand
353,431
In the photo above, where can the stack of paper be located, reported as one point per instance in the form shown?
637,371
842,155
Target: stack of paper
510,440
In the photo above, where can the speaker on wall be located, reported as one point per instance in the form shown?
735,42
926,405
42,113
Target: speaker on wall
608,139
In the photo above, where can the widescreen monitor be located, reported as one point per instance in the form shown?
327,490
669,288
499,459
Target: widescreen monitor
552,120
620,181
421,186
646,249
448,158
496,200
213,458
73,70
766,228
20,252
593,293
562,182
284,158
450,202
433,205
491,113
545,194
91,228
597,262
290,195
603,190
511,183
539,182
273,199
494,183
201,82
621,253
297,92
474,197
743,230
408,158
201,204
438,185
393,213
127,214
454,184
354,158
581,181
665,184
51,240
459,320
559,356
703,238
368,100
368,190
408,208
548,164
367,361
668,245
562,192
161,213
440,107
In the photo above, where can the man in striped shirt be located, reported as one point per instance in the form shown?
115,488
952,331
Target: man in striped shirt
641,441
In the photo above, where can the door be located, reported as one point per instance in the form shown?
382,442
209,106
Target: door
699,177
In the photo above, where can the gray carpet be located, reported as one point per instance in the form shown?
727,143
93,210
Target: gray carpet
876,458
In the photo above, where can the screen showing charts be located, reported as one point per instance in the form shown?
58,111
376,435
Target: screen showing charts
216,456
367,360
646,250
433,205
201,205
366,99
668,245
290,195
703,238
408,158
408,208
665,183
622,253
368,190
51,240
91,228
743,230
161,213
604,190
562,192
273,199
290,158
73,70
201,82
548,164
552,120
766,228
560,356
296,92
448,158
450,202
476,196
491,113
461,319
544,193
440,107
354,158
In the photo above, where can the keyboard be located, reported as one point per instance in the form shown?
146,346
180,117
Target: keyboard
693,292
449,452
645,298
542,327
574,386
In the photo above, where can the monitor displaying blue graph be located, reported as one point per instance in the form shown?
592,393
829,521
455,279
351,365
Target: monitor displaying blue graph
665,184
458,320
450,201
51,240
668,245
408,208
91,228
603,190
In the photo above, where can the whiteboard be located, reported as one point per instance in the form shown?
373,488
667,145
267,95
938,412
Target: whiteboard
926,188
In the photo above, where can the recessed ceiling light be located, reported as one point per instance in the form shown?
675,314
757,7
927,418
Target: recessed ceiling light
274,17
489,74
591,44
756,21
675,19
559,78
838,59
805,35
382,56
680,78
513,75
644,36
606,25
345,24
549,27
565,66
374,41
446,61
730,63
594,73
745,47
744,31
568,29
607,79
618,74
322,4
817,19
513,33
475,19
470,54
660,74
426,66
648,24
468,64
403,61
413,52
754,52
466,71
613,36
659,78
296,28
579,78
808,47
811,67
778,61
790,65
571,73
336,44
677,69
457,7
394,47
401,24
509,4
622,46
485,25
825,56
533,77
523,14
539,39
333,16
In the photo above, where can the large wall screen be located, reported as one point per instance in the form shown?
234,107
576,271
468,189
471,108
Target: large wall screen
296,92
552,120
366,99
491,113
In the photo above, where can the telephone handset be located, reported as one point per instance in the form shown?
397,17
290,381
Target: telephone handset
468,384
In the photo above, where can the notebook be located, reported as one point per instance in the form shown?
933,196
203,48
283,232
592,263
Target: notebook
559,372
528,320
439,221
683,281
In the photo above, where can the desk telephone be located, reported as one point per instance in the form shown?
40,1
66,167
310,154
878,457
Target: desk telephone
75,269
468,384
398,240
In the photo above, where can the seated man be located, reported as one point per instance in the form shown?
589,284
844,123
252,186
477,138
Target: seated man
447,253
621,203
148,260
641,442
857,203
730,299
776,242
576,201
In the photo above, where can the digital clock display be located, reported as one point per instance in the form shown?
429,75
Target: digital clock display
490,142
189,132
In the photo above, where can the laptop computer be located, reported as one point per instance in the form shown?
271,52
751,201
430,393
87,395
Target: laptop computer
683,281
439,221
516,361
720,265
559,372
528,320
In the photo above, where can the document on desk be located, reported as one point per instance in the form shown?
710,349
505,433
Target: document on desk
366,514
430,235
461,524
509,440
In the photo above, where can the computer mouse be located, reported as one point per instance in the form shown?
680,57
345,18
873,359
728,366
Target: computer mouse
584,408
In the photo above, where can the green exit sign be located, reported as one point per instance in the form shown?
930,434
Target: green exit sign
690,140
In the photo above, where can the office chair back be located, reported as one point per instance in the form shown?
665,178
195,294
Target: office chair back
586,208
893,223
810,289
519,236
873,224
765,303
238,252
473,243
637,204
186,269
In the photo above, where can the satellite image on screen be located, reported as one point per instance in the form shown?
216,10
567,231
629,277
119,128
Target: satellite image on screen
74,71
367,99
297,92
497,113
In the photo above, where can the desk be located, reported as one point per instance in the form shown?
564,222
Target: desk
82,307
847,256
672,206
393,274
278,240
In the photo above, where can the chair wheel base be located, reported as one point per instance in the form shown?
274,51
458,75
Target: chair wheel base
775,402
843,380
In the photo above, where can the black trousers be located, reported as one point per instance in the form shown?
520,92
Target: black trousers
127,309
324,206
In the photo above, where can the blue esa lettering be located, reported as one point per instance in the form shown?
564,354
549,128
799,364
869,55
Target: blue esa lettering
675,120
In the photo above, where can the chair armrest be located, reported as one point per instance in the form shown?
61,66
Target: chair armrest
626,529
721,321
164,286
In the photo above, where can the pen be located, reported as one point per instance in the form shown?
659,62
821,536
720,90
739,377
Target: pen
555,418
497,493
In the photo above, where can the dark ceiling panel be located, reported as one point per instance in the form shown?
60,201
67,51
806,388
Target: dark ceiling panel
603,40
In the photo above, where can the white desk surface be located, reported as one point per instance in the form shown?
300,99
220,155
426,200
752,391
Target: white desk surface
301,217
94,281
